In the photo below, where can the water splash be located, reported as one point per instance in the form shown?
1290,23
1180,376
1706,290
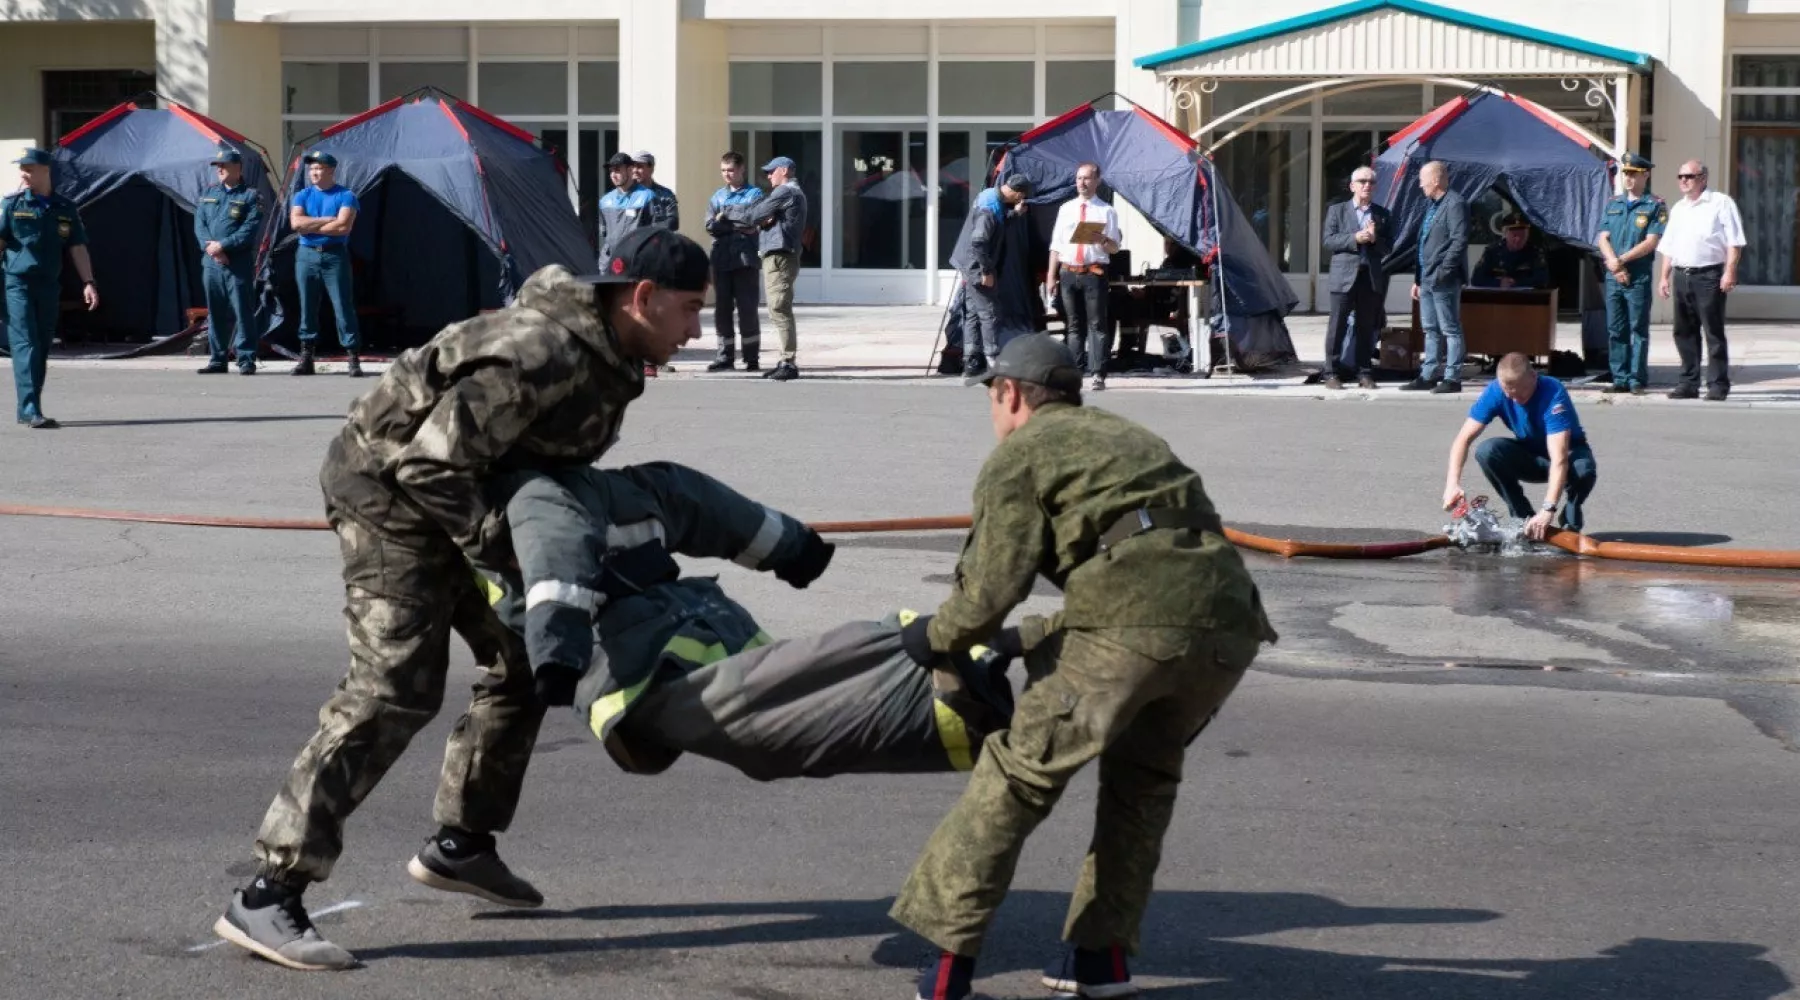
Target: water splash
1475,526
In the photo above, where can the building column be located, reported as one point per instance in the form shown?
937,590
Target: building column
1140,28
226,70
674,82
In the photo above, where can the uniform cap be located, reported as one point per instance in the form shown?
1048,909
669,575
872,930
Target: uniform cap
35,157
1515,221
322,159
619,159
1037,358
1632,161
779,161
228,155
658,255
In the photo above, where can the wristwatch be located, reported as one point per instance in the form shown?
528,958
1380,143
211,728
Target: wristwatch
1549,508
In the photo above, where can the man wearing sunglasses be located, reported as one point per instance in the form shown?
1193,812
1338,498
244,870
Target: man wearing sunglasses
1358,234
1700,250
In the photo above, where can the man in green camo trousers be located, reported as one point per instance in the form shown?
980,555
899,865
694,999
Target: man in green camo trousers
1160,620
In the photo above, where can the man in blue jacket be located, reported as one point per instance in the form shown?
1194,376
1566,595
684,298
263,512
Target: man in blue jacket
737,280
977,257
1548,446
1440,263
227,223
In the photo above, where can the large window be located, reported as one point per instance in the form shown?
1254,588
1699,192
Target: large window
804,146
1068,83
881,211
1266,169
965,152
777,109
1765,167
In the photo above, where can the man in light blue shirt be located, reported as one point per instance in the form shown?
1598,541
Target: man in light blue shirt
323,214
1548,445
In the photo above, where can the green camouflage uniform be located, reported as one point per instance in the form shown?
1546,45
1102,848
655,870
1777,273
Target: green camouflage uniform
1156,631
539,384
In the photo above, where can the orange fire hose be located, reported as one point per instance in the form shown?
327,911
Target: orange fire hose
1287,548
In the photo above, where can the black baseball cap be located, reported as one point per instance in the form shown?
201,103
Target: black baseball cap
1033,357
656,254
618,160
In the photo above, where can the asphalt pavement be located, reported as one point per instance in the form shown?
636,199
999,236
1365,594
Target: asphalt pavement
1455,776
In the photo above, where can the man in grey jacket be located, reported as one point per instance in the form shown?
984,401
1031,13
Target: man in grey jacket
781,218
1358,234
1440,264
977,258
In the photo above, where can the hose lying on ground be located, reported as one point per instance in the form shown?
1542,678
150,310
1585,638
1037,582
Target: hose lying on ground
1288,548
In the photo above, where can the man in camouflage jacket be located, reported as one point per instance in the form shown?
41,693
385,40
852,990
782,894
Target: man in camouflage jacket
541,383
1160,620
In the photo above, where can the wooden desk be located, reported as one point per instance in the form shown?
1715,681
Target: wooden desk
1196,313
1498,321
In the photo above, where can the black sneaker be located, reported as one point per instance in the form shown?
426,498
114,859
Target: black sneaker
976,364
1447,385
1085,973
44,424
247,369
784,372
354,368
217,368
282,933
950,977
721,365
482,874
1684,392
752,365
1716,395
1418,385
1616,388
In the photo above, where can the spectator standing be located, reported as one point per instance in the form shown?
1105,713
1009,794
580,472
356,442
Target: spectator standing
736,288
323,214
36,224
1700,252
1358,234
977,257
664,209
227,222
625,208
1080,271
1441,261
1635,222
780,219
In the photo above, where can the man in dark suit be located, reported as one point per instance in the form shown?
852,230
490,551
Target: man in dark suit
1441,263
1358,234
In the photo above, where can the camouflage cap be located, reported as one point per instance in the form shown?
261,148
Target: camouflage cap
658,255
1033,357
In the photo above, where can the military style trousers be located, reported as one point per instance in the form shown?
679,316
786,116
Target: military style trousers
326,271
228,309
780,271
1136,707
735,295
31,314
1628,329
403,598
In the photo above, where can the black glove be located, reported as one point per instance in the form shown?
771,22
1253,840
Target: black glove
815,555
556,685
917,644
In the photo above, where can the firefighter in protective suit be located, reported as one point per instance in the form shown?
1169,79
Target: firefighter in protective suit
656,664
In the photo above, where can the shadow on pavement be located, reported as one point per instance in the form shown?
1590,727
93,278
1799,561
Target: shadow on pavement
159,421
1190,935
1683,538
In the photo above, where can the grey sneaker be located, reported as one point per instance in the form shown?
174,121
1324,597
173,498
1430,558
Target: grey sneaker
282,933
483,875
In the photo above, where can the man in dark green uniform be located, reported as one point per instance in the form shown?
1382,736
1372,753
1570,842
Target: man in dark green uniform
227,222
1514,262
1160,620
35,225
1634,223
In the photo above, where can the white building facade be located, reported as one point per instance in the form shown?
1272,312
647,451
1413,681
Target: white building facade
892,119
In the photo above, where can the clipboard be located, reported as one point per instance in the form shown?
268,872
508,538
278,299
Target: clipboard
1090,233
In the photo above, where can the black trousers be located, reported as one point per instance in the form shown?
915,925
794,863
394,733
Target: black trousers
738,290
1084,305
1352,353
1700,304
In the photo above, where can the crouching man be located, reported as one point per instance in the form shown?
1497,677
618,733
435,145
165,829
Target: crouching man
1548,445
657,665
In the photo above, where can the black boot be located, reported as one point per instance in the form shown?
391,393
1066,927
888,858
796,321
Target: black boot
305,367
354,368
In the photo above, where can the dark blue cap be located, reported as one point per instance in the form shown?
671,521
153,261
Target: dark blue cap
35,157
323,159
779,161
1632,161
227,155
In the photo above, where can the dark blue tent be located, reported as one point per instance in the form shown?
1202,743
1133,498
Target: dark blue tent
1549,171
1161,173
458,209
136,174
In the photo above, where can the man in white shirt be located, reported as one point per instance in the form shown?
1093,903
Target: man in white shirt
1080,271
1700,250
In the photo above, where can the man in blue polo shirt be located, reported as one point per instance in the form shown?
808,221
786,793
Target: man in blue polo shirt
322,214
1548,445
